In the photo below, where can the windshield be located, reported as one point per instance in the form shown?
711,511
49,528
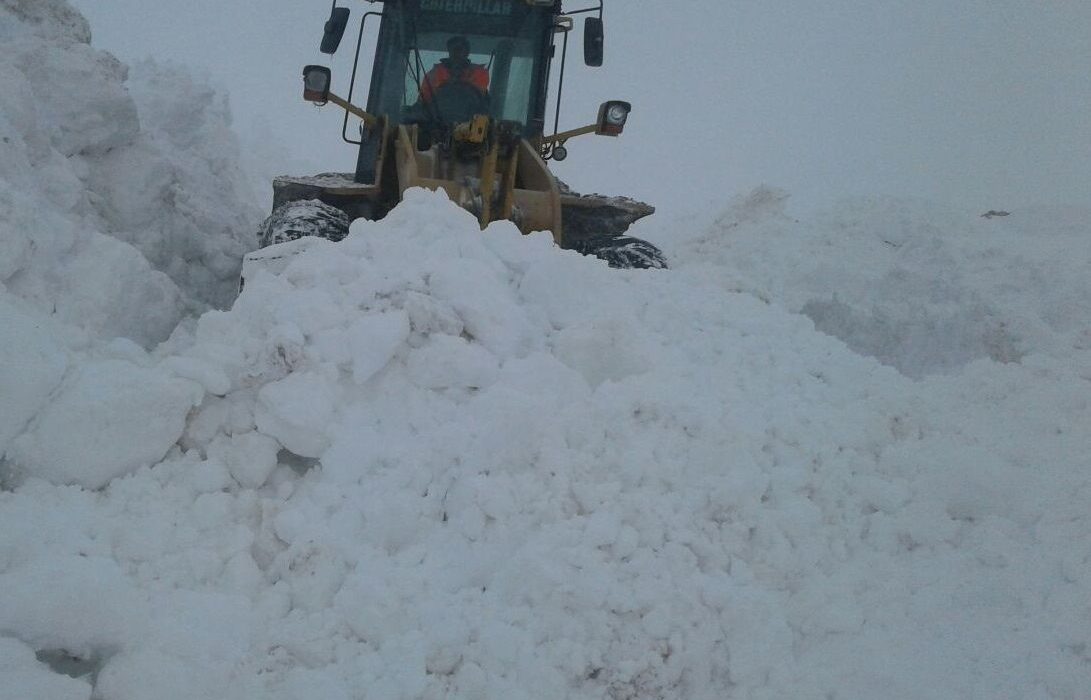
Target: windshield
509,65
503,60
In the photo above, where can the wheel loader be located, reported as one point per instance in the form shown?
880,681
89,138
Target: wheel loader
458,101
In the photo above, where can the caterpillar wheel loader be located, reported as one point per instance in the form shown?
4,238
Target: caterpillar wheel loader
457,101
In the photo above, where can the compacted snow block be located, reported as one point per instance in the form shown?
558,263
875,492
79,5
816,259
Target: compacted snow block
85,605
25,678
31,367
250,458
112,418
297,411
374,341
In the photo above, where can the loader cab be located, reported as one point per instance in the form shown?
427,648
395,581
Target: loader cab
485,144
510,39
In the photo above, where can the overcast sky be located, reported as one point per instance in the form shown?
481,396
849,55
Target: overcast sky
980,103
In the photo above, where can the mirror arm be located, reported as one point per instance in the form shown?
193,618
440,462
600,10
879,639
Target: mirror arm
369,119
565,135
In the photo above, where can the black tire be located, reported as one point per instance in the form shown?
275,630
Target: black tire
310,217
623,252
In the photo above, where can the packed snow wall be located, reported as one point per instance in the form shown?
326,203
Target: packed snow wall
431,462
122,206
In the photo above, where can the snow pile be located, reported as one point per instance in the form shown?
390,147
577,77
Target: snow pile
120,208
922,288
845,458
120,212
432,462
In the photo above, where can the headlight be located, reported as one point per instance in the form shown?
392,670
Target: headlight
617,114
316,84
612,117
316,80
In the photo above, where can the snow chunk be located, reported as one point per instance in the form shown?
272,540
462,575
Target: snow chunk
111,419
210,376
375,340
451,362
298,411
84,605
608,348
86,110
250,457
32,365
108,288
24,678
486,305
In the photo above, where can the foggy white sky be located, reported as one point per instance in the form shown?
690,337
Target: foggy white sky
981,103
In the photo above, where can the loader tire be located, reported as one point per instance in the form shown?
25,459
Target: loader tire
623,252
297,219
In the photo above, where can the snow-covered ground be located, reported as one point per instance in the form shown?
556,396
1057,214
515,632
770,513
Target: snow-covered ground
847,457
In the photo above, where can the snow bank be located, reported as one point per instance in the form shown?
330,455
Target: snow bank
121,212
121,207
922,288
435,462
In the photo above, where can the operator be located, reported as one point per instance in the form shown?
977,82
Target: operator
455,68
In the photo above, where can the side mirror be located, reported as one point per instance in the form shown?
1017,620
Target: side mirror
612,117
593,41
335,29
316,84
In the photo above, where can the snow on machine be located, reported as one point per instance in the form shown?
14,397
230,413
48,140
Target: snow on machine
457,101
